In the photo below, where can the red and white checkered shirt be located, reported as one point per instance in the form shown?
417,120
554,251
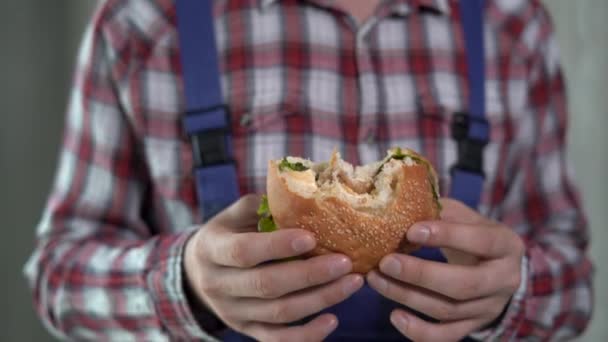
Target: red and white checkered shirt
300,78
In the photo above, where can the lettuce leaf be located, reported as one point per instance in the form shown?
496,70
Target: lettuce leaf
264,209
265,223
291,166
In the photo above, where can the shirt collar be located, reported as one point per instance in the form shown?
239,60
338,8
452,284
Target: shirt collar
401,7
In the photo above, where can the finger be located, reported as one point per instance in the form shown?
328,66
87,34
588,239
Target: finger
455,281
279,279
431,304
245,250
242,214
456,211
489,240
417,329
316,330
302,304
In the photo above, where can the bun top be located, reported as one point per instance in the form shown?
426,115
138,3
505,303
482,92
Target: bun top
363,212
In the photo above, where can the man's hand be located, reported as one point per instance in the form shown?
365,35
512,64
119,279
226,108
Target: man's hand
229,266
464,296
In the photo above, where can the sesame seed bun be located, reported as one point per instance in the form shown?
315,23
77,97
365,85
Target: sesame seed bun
362,212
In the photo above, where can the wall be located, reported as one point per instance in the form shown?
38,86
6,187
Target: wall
36,67
582,32
39,40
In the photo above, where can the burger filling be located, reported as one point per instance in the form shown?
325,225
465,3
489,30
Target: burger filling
363,187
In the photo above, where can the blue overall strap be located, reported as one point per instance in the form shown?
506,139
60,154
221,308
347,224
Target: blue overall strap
471,130
207,121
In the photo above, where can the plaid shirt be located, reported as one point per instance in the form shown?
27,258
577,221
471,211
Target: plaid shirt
300,78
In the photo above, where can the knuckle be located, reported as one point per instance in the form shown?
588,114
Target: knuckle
309,277
199,242
470,288
330,297
418,273
504,242
273,243
517,245
238,253
280,313
478,287
209,242
479,284
390,291
262,287
446,311
401,295
498,279
437,235
209,286
492,244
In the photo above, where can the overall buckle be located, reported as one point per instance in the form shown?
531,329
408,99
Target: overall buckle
209,132
470,146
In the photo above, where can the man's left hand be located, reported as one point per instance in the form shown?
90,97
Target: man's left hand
463,296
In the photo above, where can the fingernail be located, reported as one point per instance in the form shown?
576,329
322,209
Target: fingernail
399,319
352,285
329,322
303,244
419,234
390,266
339,266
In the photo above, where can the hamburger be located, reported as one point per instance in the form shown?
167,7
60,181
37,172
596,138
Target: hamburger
363,212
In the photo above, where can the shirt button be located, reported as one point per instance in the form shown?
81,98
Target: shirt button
246,120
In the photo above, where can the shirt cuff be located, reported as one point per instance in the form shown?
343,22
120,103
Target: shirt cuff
165,283
513,311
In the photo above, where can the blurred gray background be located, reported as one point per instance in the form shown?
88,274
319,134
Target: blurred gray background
39,43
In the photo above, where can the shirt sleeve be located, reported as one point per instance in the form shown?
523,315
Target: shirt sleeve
554,301
99,270
513,308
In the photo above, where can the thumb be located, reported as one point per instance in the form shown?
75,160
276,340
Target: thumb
456,211
240,215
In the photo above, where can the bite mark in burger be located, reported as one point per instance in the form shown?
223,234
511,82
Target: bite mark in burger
363,212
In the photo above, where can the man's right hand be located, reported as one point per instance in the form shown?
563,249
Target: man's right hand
227,267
